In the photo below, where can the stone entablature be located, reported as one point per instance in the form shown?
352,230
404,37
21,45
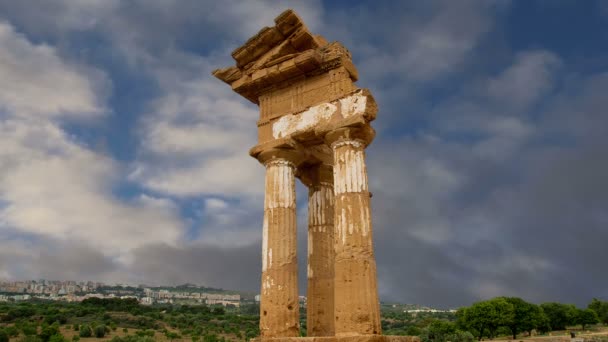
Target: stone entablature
314,125
286,69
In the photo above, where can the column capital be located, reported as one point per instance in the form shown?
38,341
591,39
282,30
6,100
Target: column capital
351,135
317,175
281,155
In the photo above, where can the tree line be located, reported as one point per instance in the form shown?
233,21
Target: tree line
491,317
42,321
48,321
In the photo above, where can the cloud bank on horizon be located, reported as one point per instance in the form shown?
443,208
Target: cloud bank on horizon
122,159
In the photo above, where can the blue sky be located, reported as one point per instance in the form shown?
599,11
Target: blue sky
122,158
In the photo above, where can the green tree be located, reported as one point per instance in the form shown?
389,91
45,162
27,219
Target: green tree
437,331
544,325
3,336
487,316
48,332
526,317
601,309
442,331
586,316
560,315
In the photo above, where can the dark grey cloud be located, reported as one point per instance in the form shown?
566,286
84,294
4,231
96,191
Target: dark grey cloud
210,265
531,224
35,258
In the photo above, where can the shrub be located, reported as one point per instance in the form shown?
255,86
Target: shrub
49,332
11,331
144,333
413,331
57,338
29,329
462,336
210,338
85,331
30,338
100,331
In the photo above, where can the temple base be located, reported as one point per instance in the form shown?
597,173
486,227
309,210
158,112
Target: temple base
356,338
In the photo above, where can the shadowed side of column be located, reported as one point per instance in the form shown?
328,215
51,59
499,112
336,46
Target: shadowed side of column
320,302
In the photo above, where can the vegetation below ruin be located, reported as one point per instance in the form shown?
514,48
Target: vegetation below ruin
126,320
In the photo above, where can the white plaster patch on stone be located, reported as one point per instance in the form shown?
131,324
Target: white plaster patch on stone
353,105
265,244
267,284
290,124
363,217
310,247
282,184
350,222
270,257
319,201
342,227
350,174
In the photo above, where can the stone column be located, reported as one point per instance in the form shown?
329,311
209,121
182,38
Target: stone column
320,303
357,308
279,302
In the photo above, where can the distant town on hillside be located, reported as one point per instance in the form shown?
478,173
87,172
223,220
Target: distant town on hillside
186,294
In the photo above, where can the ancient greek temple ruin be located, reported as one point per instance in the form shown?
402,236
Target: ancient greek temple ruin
314,125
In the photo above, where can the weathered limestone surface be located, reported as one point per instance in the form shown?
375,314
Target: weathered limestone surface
314,125
357,308
320,304
279,305
355,338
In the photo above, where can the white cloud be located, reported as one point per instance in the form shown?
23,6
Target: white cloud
56,188
51,185
196,141
529,78
35,82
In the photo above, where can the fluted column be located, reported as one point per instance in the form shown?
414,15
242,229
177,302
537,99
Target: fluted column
320,303
357,308
279,305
